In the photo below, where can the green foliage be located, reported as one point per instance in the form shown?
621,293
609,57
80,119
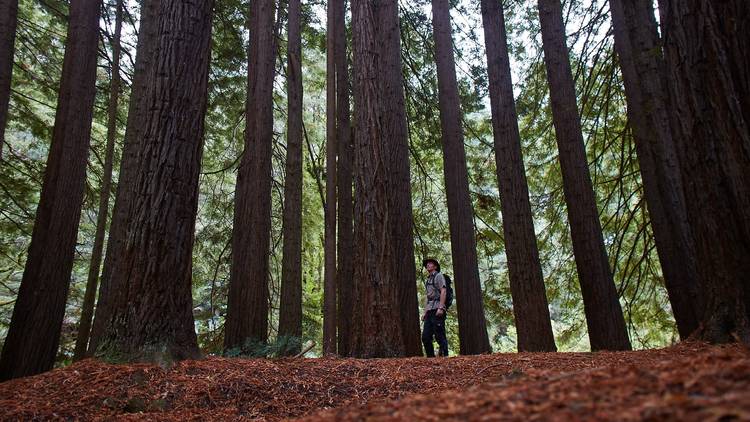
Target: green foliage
282,346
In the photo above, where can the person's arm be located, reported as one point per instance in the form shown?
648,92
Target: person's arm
443,294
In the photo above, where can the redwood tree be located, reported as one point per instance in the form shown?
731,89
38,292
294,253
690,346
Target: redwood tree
87,309
135,125
530,307
247,304
290,308
152,317
606,325
376,312
329,281
34,332
395,135
8,20
705,48
471,321
345,153
639,52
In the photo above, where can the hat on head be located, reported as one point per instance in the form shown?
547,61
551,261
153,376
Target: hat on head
434,261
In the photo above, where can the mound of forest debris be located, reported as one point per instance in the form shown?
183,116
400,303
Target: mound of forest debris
691,381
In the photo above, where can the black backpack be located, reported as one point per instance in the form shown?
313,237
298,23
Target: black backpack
448,291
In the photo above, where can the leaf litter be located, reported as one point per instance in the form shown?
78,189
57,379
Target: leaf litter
689,381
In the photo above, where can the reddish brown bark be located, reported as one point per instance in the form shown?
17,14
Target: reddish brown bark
395,134
87,309
705,46
247,305
472,326
329,280
137,113
604,318
290,308
152,317
376,314
34,332
530,307
345,232
8,21
638,48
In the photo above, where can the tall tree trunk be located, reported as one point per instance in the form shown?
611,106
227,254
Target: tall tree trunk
87,310
153,319
637,46
247,305
395,134
8,20
329,281
377,326
530,306
345,244
707,67
137,112
604,318
472,326
290,311
34,332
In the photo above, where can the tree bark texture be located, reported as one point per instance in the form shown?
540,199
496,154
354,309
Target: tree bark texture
472,326
395,134
377,329
290,312
329,280
87,309
639,51
345,232
34,332
153,319
604,317
134,128
8,21
247,305
705,46
530,306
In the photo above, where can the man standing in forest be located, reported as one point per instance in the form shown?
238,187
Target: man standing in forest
435,310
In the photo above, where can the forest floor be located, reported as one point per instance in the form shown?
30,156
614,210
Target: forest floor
690,381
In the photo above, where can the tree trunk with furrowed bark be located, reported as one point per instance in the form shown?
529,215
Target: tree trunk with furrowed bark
8,22
395,134
34,333
530,307
290,309
639,51
87,309
329,279
707,68
152,318
377,329
472,325
604,318
247,304
345,153
137,113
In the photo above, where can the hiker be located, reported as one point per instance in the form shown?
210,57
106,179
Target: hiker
435,311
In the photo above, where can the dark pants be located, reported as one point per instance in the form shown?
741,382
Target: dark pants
434,326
